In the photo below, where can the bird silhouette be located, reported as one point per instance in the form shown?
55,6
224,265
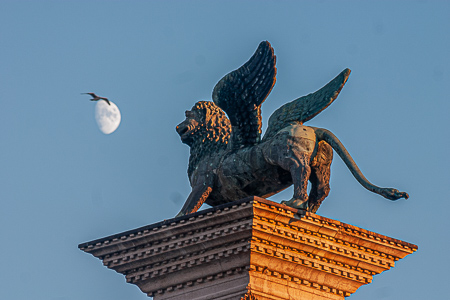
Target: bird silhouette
96,98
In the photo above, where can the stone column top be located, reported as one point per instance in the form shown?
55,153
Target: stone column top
256,201
248,247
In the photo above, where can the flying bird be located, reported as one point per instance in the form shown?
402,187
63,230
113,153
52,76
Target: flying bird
96,98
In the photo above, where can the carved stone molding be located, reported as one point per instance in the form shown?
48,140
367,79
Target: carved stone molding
249,249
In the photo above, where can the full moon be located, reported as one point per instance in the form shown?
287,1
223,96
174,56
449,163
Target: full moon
107,116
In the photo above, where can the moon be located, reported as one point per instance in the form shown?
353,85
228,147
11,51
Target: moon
107,116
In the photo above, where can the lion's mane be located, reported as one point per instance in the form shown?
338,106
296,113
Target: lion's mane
212,133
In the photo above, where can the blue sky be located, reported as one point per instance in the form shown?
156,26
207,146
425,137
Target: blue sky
63,182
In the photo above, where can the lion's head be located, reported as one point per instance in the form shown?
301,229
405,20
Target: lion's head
206,130
205,123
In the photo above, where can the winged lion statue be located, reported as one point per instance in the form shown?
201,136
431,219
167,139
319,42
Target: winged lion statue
228,158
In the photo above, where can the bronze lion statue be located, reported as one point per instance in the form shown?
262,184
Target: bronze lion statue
229,160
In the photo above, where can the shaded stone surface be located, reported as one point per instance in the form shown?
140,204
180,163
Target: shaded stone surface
250,249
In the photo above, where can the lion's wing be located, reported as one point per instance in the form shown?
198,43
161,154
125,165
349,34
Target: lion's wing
307,107
241,93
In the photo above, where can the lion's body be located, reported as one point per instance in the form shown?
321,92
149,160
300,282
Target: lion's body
266,168
292,156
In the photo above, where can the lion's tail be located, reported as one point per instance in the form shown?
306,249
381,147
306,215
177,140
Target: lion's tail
335,143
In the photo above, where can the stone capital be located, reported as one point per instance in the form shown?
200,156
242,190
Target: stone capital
249,249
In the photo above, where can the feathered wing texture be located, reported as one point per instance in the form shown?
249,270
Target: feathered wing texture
241,93
307,107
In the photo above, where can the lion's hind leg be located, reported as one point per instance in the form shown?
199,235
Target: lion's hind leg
291,149
300,172
320,176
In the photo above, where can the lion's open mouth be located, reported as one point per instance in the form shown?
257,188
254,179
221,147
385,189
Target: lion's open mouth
183,130
186,129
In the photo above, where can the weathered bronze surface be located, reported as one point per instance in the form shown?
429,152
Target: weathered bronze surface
230,161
